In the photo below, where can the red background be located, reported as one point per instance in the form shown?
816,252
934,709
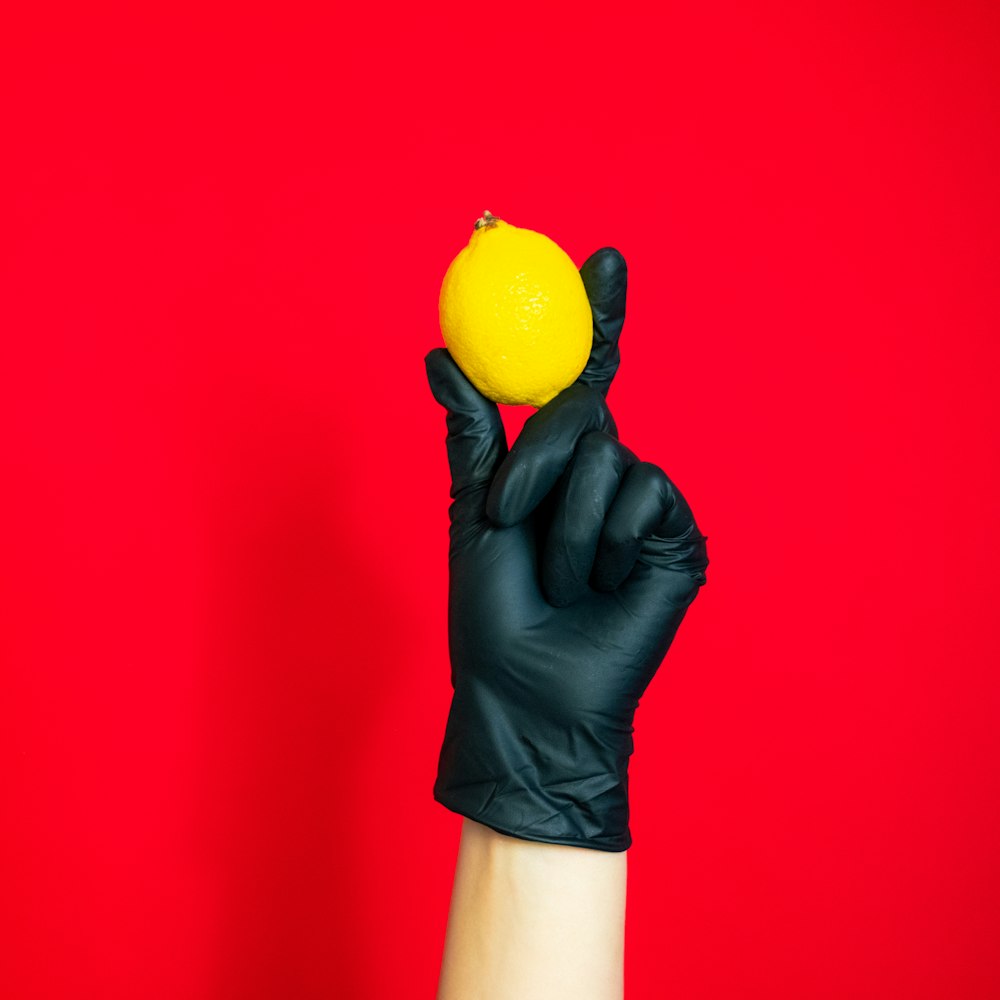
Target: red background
223,543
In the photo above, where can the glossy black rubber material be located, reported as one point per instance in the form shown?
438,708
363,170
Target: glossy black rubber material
572,565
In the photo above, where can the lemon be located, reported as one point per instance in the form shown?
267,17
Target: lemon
515,315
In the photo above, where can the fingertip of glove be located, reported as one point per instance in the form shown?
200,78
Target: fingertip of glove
441,374
503,505
496,510
606,267
433,358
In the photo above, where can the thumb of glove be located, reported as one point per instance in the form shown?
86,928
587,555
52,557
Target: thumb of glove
476,440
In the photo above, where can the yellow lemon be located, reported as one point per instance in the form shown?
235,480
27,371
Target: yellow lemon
515,315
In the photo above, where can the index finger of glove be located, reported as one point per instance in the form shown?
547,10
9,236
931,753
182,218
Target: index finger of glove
476,440
543,451
605,277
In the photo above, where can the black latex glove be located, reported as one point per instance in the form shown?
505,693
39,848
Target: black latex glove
571,566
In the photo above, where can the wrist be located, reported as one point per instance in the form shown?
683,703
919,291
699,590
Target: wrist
531,865
534,920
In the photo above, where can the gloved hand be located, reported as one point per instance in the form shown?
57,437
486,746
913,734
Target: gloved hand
572,564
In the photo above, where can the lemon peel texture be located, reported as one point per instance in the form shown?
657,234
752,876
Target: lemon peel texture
515,315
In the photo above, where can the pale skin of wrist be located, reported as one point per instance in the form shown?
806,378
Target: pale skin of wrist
532,921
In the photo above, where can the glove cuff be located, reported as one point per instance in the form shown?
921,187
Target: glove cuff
569,788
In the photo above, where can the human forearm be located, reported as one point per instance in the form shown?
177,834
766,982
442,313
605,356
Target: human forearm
533,921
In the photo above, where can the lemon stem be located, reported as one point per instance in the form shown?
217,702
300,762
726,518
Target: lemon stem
488,221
